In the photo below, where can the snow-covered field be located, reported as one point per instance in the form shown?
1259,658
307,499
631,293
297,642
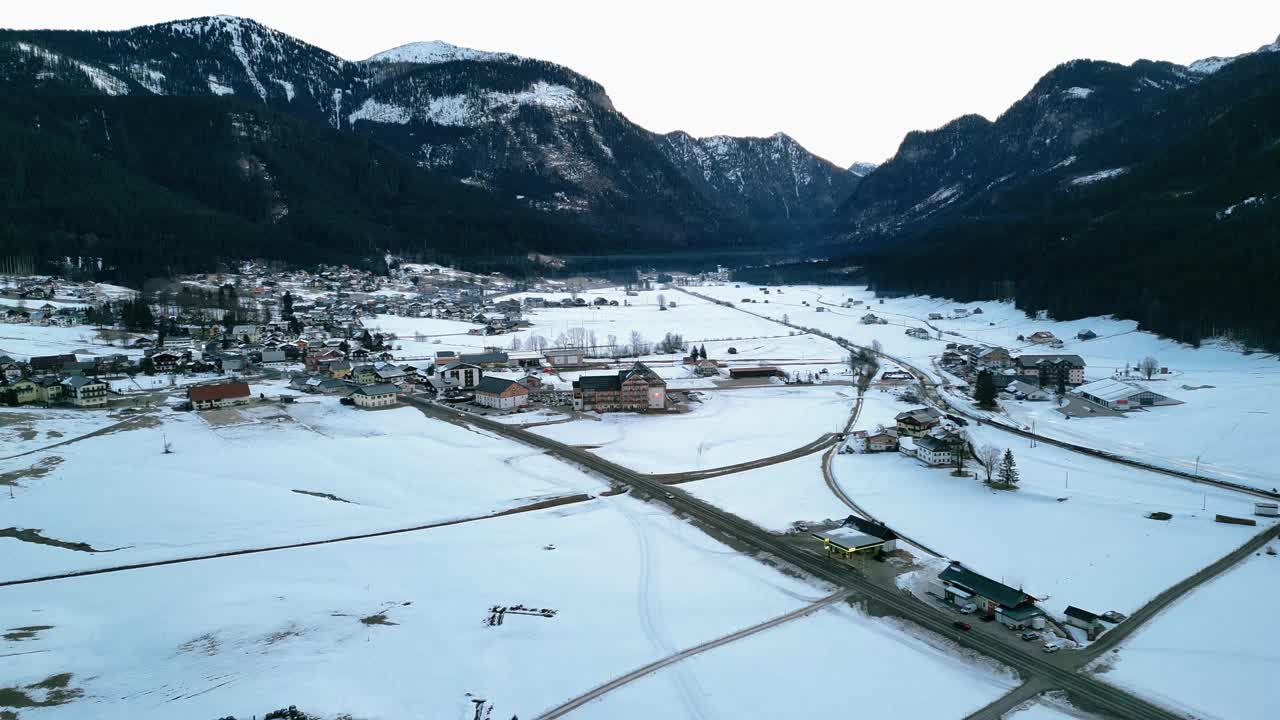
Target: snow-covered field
1095,549
25,429
24,341
233,486
728,427
775,496
817,666
630,584
1214,653
1226,426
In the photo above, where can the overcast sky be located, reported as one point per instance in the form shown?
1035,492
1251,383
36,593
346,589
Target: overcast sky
846,79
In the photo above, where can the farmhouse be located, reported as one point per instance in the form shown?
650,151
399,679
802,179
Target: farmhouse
916,423
633,390
372,396
934,451
857,536
1041,337
1119,395
85,392
502,394
961,586
1025,391
203,397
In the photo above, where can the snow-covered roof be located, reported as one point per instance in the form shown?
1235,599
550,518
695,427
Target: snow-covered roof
1110,389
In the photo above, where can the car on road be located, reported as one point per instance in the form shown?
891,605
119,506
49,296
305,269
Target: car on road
1052,647
968,609
670,496
962,625
1030,635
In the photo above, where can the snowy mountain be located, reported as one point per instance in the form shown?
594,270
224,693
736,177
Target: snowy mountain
773,181
525,129
1210,65
863,169
972,164
435,51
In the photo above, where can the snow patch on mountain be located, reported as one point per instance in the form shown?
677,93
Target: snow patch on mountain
938,200
1227,212
1098,176
152,80
436,51
218,88
1078,93
101,79
471,110
286,86
380,112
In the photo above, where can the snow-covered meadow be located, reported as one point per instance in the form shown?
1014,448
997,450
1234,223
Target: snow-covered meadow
1214,653
727,427
24,341
270,475
393,627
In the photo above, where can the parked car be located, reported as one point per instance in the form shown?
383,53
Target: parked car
962,625
968,609
1030,635
1112,616
1052,647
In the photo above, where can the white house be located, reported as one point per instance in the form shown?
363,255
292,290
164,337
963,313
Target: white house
85,392
501,393
462,375
934,451
374,396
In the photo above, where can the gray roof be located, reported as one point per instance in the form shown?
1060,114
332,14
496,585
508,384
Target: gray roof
1027,361
985,586
1077,613
378,389
484,358
495,385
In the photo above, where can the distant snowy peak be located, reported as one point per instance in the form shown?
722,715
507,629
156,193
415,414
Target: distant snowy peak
437,51
1210,65
863,169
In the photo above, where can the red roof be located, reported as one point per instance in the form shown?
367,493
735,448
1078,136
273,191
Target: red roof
225,391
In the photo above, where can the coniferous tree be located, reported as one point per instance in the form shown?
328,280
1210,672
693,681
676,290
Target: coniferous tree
1008,470
984,391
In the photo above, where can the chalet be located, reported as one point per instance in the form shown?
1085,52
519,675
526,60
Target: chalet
373,396
320,356
633,390
204,397
501,394
1049,370
1085,620
462,375
364,374
961,586
51,389
882,441
165,361
1120,395
706,368
934,451
340,369
918,333
857,536
85,392
989,358
918,422
389,373
1042,337
1086,335
565,357
873,319
252,333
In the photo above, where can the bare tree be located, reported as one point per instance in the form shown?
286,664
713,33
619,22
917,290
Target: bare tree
988,456
1149,366
516,345
612,342
672,343
537,343
638,345
576,337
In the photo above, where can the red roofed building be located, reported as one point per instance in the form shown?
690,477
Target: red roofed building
203,397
